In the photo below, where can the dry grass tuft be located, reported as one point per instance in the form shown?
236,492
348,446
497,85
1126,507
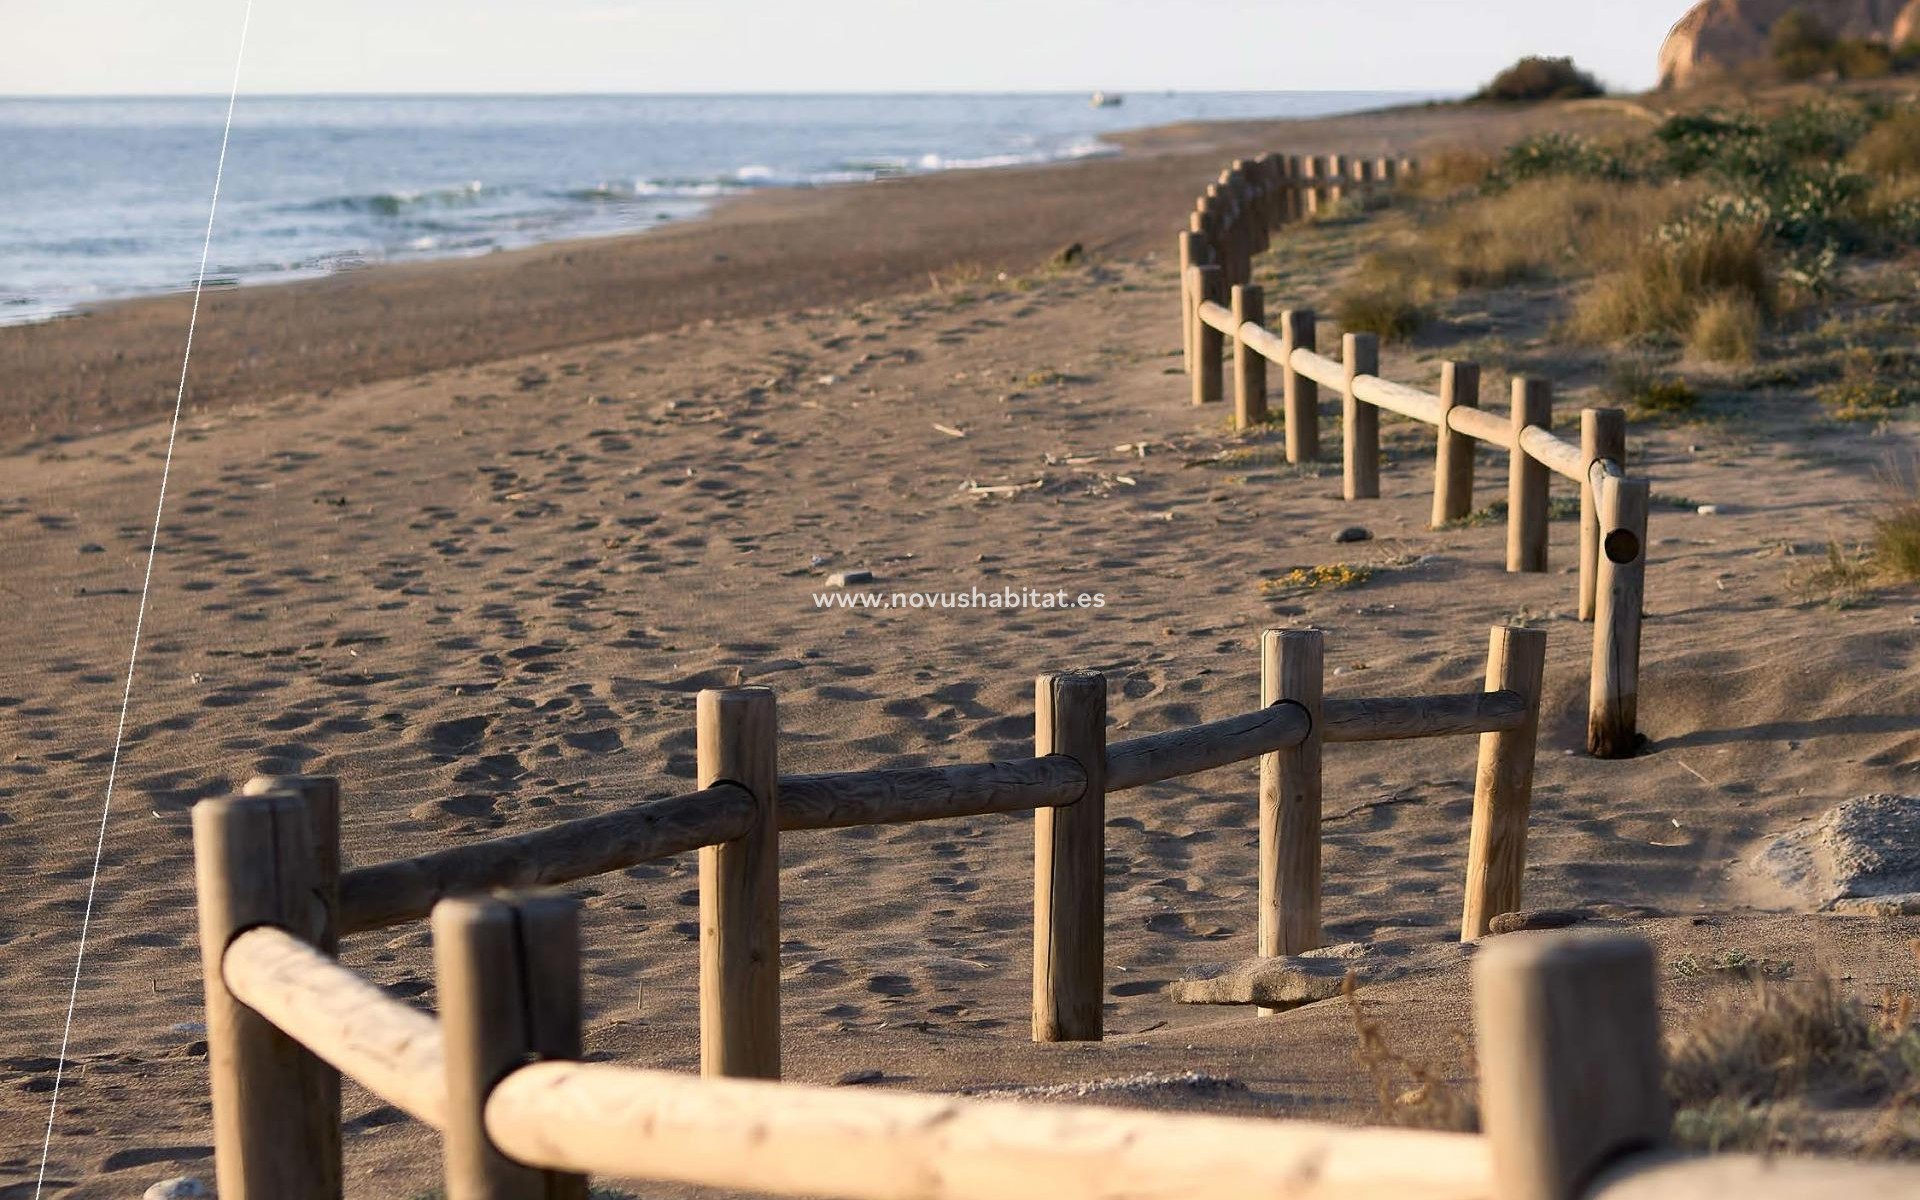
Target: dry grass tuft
1406,1093
1726,329
1891,147
1896,529
1665,284
1742,1074
1452,172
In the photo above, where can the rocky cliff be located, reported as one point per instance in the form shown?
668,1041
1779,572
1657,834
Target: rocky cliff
1721,34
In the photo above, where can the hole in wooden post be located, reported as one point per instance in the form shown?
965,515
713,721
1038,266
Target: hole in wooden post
1622,546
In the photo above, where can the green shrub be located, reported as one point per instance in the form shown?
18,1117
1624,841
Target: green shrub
1868,389
1537,78
1381,308
1547,155
1645,394
1799,39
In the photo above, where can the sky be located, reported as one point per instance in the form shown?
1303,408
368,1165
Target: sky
138,47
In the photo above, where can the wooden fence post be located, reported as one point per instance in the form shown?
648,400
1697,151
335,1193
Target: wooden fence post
1069,864
508,975
276,1107
1336,182
1273,179
1503,785
1453,463
1193,252
740,890
1603,435
1613,707
1567,1030
1360,354
1527,497
1300,396
1292,668
1295,207
1249,367
1209,381
1310,198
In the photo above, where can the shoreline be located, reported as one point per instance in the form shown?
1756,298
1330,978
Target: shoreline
766,251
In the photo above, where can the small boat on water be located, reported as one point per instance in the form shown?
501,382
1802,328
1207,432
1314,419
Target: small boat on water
1106,100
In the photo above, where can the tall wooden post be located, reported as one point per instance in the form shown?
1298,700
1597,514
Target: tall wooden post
1567,1031
1296,174
508,973
1527,497
1209,344
1503,785
1613,708
1069,864
1249,366
1300,396
1292,668
1453,463
276,1107
1360,355
1603,435
740,890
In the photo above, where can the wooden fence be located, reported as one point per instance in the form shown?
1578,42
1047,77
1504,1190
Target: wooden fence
1222,308
1567,1029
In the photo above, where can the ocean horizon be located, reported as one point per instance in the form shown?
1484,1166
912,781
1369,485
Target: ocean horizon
107,196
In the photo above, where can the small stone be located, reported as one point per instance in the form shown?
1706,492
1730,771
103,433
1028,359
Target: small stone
1539,918
855,1078
183,1187
1353,533
1708,510
93,548
849,578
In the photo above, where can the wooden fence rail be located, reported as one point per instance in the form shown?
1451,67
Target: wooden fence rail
1223,316
1566,1027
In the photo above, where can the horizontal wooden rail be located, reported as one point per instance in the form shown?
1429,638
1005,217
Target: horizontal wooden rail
1398,398
1218,316
1318,367
1264,342
1390,720
392,1050
1555,453
927,793
1493,428
1664,1175
794,1140
1162,756
406,889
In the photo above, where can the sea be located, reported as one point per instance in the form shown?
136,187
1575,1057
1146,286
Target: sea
107,198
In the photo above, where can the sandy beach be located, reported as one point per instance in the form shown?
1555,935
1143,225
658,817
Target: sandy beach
471,535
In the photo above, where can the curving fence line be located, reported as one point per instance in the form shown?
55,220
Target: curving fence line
1567,1028
1223,319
